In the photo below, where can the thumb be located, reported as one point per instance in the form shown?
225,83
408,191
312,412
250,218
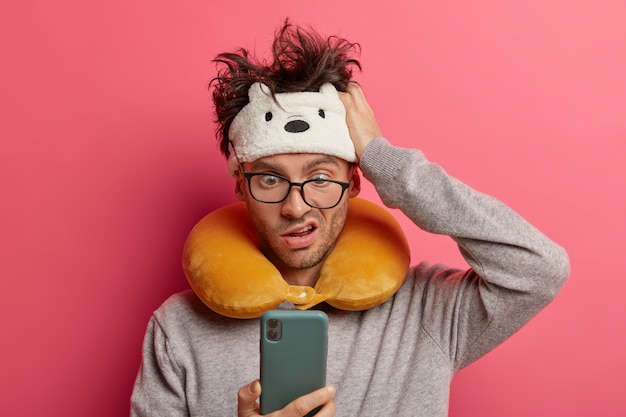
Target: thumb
247,399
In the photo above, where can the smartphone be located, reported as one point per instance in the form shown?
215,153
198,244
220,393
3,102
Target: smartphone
294,346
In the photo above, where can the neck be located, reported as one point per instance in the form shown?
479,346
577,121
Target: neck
302,277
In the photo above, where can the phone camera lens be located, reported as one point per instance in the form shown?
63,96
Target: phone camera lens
273,330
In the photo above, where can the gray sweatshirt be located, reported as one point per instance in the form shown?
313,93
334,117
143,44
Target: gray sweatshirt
397,359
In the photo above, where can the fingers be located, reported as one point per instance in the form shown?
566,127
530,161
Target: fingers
354,98
352,93
303,405
354,90
248,406
248,395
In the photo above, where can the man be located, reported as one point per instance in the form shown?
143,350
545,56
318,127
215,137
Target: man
394,359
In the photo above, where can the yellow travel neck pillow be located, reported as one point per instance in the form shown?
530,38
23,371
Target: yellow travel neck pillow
228,272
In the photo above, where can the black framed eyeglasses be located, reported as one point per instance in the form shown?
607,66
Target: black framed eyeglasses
273,188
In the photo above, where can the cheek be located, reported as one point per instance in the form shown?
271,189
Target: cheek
337,221
261,215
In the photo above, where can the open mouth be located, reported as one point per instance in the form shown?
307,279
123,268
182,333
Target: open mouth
301,237
305,231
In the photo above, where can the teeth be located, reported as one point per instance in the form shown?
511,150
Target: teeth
302,231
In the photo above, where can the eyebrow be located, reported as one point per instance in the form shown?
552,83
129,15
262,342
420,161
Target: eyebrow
323,159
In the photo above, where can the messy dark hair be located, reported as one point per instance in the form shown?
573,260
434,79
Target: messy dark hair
302,61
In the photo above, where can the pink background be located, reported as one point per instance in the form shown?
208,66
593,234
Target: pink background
107,159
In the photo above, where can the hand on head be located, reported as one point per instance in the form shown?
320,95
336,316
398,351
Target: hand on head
360,117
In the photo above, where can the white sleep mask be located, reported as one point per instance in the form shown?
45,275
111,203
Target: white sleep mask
304,122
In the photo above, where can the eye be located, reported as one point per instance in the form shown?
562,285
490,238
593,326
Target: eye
269,180
268,116
320,179
320,176
322,113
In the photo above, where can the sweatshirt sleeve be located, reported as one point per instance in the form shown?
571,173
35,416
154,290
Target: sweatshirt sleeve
159,388
515,269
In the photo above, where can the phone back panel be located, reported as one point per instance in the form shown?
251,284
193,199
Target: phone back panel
293,362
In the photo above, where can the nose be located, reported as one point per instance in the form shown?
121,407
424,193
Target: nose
294,206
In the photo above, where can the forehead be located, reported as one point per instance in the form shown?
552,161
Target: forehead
298,162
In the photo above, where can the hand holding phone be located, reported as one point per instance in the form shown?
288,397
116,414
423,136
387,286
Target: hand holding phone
322,399
294,347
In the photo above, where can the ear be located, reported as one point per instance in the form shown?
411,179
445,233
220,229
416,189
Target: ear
240,183
258,91
355,188
328,89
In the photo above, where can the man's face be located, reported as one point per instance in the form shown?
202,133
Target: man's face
295,236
